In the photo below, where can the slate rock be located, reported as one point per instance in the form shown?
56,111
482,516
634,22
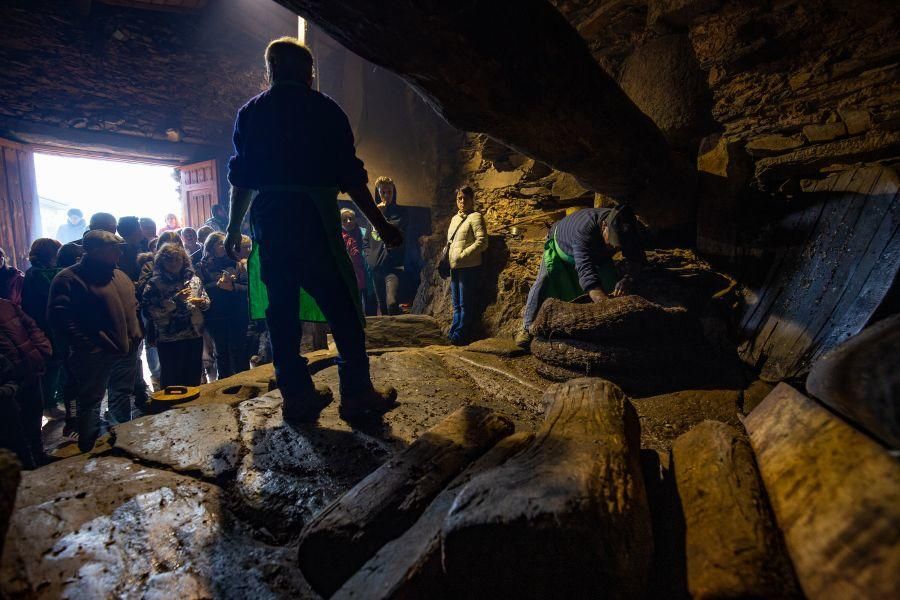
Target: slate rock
403,330
109,528
202,439
497,346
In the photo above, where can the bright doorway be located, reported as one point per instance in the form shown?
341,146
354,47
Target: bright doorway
97,185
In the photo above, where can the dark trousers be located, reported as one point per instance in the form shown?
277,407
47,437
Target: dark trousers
120,389
387,290
89,373
284,271
20,423
52,383
230,339
181,362
463,285
14,424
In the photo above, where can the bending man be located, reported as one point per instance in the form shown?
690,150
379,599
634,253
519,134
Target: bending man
578,260
295,147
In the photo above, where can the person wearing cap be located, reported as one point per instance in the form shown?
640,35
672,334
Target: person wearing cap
93,308
295,147
73,228
103,221
577,260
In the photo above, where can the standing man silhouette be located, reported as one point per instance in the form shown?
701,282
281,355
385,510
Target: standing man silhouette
294,146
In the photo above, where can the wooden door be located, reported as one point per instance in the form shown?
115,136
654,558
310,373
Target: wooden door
18,202
199,192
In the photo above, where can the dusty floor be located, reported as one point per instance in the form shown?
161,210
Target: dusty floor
208,499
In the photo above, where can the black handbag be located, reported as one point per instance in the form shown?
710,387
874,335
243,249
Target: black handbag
444,260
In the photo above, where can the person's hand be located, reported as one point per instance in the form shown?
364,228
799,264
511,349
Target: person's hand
597,295
623,288
233,244
195,300
390,235
183,294
225,283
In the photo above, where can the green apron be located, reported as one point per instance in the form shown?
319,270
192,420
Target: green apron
325,200
562,278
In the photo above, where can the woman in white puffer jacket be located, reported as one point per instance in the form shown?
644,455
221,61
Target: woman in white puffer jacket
467,237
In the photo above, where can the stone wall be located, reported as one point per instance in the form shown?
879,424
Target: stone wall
761,97
520,198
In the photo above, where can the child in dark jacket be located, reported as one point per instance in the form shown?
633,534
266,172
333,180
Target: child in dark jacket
26,348
174,300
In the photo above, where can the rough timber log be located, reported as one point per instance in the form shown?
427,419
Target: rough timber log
410,566
733,548
835,494
481,64
860,379
349,531
565,518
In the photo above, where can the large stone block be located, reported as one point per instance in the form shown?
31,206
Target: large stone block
381,507
194,439
109,528
664,80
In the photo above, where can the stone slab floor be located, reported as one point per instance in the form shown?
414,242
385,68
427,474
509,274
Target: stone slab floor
207,500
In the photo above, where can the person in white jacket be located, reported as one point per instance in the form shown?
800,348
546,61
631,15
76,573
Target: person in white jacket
467,237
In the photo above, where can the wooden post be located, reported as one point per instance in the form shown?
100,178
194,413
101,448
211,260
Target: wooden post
860,379
565,518
835,494
732,547
410,566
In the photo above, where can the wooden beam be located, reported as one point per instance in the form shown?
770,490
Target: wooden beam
733,548
349,531
566,517
110,146
836,496
410,566
860,379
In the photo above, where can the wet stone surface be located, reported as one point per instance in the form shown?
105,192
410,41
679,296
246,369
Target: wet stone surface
290,472
208,500
202,439
107,527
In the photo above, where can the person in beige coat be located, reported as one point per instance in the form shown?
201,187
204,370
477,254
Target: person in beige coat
467,237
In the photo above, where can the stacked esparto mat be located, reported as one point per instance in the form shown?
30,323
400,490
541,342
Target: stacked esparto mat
640,345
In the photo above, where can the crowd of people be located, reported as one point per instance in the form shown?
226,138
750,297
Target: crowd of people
77,325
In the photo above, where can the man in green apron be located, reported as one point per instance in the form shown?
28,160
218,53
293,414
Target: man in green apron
294,146
577,260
